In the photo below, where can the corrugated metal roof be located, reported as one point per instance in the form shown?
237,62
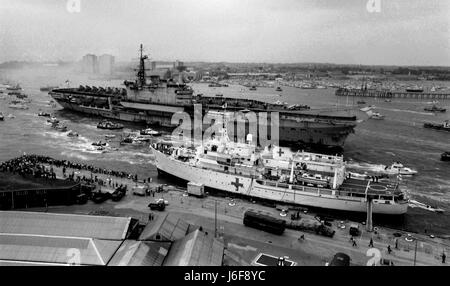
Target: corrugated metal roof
20,248
196,249
140,253
165,228
65,225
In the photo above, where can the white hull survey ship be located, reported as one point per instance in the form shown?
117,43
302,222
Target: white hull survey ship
311,180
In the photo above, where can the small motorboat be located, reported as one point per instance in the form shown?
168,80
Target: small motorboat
44,114
377,115
252,88
53,120
398,169
445,156
110,136
72,134
18,106
150,132
278,89
15,87
435,108
109,125
100,144
59,127
11,116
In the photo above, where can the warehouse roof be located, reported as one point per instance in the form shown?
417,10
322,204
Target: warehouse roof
140,253
196,249
165,228
64,225
19,248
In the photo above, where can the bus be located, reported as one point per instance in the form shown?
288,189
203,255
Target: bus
264,221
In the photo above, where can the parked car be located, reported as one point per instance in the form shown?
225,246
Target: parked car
157,205
81,199
140,191
118,194
100,197
340,259
354,230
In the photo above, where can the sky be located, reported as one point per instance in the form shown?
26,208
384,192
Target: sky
388,32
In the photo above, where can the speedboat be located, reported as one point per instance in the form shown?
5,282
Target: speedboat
151,132
398,169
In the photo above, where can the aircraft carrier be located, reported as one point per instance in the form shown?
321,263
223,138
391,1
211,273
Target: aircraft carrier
153,101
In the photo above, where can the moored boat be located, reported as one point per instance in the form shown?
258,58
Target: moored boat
435,108
445,156
377,115
105,124
18,106
445,126
150,131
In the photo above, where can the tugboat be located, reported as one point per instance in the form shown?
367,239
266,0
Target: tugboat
445,126
150,131
435,108
445,156
105,124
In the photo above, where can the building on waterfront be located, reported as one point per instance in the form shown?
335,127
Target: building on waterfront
106,64
89,64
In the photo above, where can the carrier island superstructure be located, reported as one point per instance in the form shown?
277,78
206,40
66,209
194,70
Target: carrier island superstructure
153,101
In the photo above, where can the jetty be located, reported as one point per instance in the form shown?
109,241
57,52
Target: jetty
390,94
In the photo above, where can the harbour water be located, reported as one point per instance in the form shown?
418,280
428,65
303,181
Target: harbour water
399,137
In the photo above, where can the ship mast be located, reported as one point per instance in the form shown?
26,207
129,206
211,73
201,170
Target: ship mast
141,72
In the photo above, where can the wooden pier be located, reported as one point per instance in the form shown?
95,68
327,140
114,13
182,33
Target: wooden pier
390,94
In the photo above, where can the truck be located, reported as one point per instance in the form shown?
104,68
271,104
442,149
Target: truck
311,225
195,189
264,221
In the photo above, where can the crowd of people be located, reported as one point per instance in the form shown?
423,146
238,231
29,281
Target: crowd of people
35,165
28,165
